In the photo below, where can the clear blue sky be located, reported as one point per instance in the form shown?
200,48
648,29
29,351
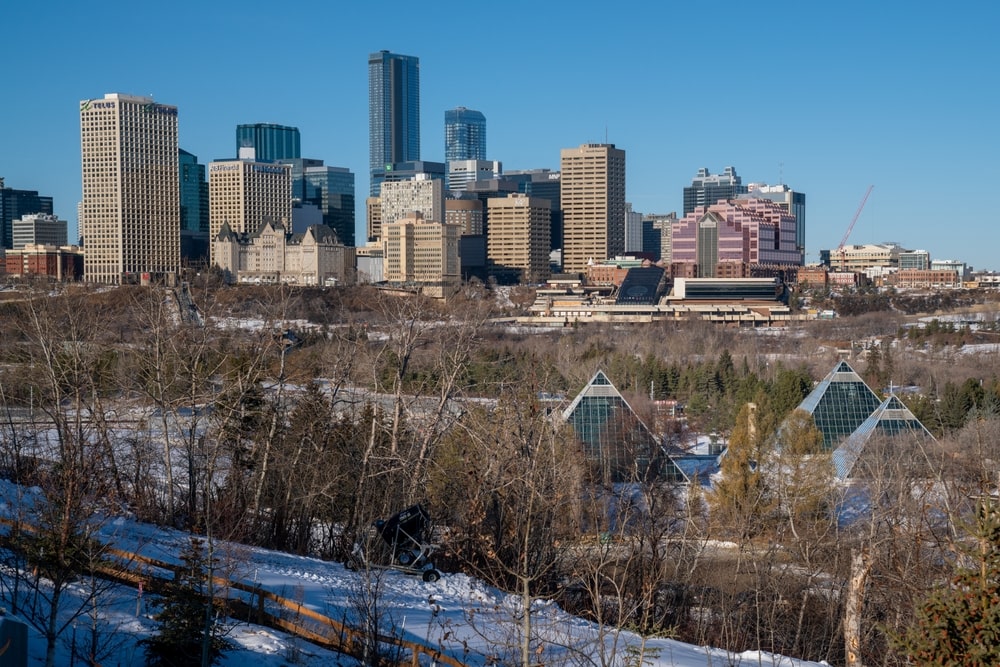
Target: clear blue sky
827,97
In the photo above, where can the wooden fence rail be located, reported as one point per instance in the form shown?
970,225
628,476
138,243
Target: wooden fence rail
132,569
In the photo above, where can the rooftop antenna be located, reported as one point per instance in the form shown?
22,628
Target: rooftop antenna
781,175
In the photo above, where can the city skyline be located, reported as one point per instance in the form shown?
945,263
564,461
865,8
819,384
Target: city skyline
894,99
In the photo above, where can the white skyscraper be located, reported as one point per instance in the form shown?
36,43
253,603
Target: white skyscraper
131,211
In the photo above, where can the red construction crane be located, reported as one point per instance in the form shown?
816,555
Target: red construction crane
840,248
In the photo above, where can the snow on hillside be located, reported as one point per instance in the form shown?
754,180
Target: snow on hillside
469,620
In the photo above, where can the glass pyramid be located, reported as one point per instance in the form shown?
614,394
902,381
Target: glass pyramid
839,404
616,442
891,420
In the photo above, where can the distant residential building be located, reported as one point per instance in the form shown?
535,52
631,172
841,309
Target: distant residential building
467,213
393,112
39,229
131,222
593,204
422,254
63,263
463,172
15,204
417,195
517,245
269,142
790,200
245,194
746,231
707,188
330,189
914,259
464,135
194,207
272,255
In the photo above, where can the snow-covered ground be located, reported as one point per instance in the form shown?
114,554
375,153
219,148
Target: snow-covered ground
458,613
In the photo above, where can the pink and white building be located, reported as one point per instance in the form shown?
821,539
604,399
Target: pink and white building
745,231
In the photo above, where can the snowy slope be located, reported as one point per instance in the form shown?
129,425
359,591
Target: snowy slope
458,614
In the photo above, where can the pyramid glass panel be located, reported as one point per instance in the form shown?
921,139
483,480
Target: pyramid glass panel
891,421
616,442
840,404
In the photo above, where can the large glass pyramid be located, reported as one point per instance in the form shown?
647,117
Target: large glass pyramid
892,421
616,442
840,404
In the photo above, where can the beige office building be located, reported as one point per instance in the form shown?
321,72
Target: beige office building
517,242
422,254
593,204
130,216
422,195
246,194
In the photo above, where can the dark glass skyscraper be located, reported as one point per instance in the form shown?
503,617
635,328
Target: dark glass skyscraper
194,207
464,135
270,142
194,194
17,203
393,112
707,188
330,189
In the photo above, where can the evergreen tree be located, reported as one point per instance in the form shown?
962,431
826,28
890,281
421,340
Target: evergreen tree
187,612
959,625
741,500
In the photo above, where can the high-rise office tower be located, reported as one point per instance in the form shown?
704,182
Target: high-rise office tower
131,189
593,204
194,207
517,245
790,200
15,204
707,188
270,142
246,194
393,112
330,189
422,253
543,183
194,193
464,135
